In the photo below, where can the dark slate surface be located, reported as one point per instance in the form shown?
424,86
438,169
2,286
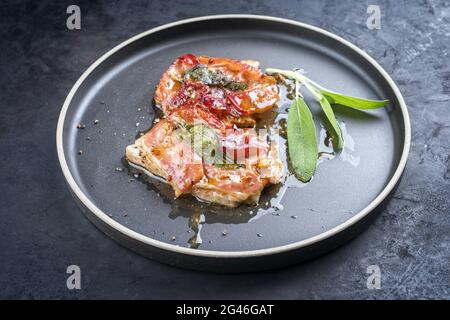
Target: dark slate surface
42,231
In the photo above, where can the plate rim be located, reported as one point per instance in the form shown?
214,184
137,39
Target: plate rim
76,190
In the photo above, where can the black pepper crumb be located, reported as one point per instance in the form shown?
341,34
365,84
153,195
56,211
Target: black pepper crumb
290,96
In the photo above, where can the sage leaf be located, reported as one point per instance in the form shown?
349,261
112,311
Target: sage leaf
302,140
215,78
352,102
332,96
333,126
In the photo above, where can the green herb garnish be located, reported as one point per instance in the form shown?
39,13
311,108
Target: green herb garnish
332,96
213,78
301,130
229,166
302,140
236,86
205,143
332,125
202,138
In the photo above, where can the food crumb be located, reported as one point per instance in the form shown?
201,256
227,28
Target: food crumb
81,126
80,152
224,232
259,235
294,217
119,169
96,121
137,124
173,238
88,138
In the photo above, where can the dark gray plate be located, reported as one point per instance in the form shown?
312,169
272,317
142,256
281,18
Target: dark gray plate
290,224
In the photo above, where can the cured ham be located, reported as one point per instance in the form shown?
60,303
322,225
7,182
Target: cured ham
232,89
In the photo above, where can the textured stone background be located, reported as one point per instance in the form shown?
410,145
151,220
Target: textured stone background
42,231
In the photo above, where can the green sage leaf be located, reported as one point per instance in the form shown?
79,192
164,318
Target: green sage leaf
352,102
302,140
333,126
